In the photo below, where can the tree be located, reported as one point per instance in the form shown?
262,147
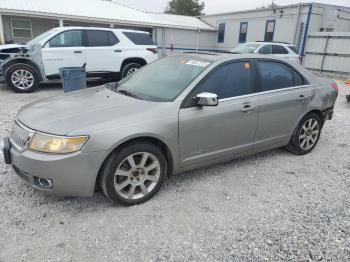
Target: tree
185,7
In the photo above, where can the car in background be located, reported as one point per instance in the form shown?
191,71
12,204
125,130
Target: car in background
280,49
127,138
107,52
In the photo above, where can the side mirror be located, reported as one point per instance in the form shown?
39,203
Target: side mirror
207,99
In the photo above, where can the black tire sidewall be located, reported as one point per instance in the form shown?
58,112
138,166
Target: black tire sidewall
107,179
127,67
15,67
295,139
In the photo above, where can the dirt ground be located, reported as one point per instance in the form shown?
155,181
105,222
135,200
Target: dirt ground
272,206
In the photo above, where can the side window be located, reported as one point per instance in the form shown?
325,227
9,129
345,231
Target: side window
113,40
278,49
298,80
67,39
230,80
266,49
275,76
100,38
139,38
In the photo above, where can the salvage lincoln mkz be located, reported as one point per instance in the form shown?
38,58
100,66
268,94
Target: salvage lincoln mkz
178,113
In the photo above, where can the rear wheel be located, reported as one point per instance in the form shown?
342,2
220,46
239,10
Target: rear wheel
134,174
22,78
348,98
129,69
306,135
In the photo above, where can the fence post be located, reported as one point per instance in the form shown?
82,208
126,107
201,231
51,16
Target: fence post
324,53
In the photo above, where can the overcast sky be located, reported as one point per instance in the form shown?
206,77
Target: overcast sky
216,6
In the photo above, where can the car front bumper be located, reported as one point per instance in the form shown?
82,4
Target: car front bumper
71,175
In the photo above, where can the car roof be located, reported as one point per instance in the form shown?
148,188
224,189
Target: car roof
271,43
213,57
97,28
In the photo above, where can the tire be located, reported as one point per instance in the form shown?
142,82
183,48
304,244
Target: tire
348,98
306,135
22,78
126,185
130,69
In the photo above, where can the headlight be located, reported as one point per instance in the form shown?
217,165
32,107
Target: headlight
56,144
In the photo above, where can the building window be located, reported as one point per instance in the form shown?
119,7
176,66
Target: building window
243,30
21,28
57,24
269,30
221,33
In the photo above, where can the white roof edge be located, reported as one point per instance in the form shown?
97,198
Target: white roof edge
101,20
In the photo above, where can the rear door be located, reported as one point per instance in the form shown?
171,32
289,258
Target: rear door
213,133
284,98
265,50
102,52
280,51
63,50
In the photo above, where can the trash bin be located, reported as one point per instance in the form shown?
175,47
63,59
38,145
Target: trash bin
73,78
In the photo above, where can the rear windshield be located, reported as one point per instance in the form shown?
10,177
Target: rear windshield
293,48
139,38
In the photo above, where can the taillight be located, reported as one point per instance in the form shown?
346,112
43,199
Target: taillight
153,50
335,87
300,59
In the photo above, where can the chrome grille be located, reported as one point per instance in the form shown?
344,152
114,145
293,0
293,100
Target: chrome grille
20,136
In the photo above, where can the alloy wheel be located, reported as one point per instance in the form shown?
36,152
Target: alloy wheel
22,79
131,71
137,175
309,134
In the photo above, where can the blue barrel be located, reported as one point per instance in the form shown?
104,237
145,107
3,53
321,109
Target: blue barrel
73,78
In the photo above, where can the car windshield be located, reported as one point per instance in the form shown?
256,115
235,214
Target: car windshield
163,80
245,48
39,38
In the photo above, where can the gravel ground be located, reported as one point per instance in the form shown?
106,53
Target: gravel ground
272,206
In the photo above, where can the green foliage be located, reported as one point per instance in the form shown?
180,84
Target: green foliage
185,7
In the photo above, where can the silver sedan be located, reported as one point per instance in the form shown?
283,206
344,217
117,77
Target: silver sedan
178,113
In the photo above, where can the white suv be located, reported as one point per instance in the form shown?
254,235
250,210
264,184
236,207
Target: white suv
105,52
279,49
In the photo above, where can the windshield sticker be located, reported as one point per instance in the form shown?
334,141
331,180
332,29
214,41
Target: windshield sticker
197,63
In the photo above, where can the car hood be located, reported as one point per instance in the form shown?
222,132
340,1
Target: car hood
4,48
83,111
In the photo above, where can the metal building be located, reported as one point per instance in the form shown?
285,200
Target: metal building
291,24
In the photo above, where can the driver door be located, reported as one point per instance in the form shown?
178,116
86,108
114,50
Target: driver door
223,131
63,50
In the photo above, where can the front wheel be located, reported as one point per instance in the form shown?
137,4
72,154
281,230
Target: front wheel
134,174
129,69
306,135
22,78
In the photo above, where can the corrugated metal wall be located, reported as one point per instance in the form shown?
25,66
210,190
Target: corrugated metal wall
328,52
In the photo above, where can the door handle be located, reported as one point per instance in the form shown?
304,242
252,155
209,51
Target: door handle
302,98
117,51
78,52
248,109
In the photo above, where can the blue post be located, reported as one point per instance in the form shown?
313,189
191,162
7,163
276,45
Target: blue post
306,32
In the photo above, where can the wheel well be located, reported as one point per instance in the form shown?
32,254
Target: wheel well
137,60
23,61
158,143
320,114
